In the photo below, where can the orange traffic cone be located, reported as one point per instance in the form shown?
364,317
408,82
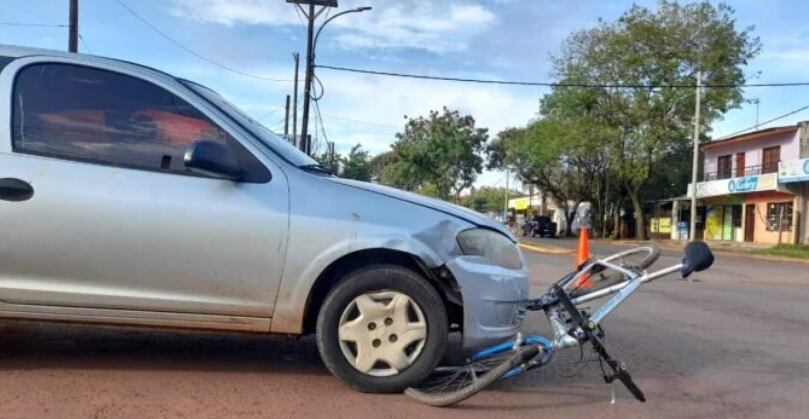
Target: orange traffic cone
582,256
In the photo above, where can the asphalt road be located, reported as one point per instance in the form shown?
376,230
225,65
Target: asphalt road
733,343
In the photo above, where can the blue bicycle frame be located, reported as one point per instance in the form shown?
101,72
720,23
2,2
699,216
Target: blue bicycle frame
564,339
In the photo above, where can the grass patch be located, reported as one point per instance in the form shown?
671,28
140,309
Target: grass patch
788,250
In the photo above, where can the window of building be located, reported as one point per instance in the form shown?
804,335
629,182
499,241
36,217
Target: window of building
740,165
86,114
779,216
723,167
771,156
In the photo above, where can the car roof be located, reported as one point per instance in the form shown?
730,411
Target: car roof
14,51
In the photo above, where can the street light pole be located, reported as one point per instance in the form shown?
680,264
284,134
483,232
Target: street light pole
311,45
692,232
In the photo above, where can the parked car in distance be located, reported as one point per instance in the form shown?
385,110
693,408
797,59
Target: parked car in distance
540,226
135,198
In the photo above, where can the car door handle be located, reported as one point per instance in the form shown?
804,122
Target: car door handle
15,190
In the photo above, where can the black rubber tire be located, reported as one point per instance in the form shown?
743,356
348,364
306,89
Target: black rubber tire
378,278
447,399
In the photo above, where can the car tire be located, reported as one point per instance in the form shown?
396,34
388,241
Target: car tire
344,330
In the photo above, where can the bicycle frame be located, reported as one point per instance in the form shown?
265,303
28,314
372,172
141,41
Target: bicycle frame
561,337
622,291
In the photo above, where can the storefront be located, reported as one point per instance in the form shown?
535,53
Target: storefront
749,209
794,176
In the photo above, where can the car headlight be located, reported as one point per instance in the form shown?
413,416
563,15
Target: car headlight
492,246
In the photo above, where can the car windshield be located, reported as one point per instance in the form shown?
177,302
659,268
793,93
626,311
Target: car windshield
286,150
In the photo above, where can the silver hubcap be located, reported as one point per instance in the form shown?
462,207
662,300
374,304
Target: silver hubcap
382,333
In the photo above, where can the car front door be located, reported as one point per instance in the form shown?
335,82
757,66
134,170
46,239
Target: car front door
115,221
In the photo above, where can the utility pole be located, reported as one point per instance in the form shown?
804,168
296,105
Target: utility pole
296,57
73,35
692,232
310,61
311,44
505,204
286,119
606,205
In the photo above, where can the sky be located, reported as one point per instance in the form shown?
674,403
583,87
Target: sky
492,39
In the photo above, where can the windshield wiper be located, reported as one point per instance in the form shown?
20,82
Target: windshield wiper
315,168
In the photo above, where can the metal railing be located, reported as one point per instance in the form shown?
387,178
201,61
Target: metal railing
748,171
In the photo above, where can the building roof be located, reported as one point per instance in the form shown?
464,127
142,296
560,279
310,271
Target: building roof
751,136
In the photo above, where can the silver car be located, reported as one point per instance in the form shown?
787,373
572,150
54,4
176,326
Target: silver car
134,198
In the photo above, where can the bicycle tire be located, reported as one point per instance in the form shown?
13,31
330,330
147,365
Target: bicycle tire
610,277
449,398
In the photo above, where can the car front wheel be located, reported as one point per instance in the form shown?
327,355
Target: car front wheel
382,329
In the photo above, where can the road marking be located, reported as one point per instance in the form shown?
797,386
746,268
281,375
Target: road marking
547,250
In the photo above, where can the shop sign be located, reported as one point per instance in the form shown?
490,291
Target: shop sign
765,182
519,204
661,225
713,228
745,184
793,171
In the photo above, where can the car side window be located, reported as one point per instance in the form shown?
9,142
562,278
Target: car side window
87,114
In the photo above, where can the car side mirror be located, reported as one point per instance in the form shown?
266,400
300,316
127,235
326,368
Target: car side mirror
698,257
212,158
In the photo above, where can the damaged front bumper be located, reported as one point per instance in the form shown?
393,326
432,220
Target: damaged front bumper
493,300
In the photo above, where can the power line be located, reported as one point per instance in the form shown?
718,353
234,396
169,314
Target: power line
268,114
83,42
191,51
790,113
356,121
36,25
555,84
320,120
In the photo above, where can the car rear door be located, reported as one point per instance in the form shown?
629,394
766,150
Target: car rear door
114,220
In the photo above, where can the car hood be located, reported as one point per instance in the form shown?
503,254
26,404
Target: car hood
435,204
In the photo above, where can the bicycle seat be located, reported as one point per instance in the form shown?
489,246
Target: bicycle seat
698,257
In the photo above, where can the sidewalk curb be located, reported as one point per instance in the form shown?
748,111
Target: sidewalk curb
717,251
546,249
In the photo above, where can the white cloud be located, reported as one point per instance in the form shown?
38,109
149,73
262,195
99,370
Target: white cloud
386,101
419,24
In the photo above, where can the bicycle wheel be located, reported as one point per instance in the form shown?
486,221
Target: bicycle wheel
608,277
450,385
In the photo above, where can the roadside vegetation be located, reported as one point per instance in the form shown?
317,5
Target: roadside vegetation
788,250
616,131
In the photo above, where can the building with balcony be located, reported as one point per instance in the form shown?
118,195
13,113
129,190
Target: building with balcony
754,188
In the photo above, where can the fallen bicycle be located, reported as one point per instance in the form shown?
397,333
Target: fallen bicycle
572,326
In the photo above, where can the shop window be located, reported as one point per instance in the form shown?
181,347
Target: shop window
779,216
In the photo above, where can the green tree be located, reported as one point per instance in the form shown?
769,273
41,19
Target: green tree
356,165
665,47
441,150
329,161
559,156
487,198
